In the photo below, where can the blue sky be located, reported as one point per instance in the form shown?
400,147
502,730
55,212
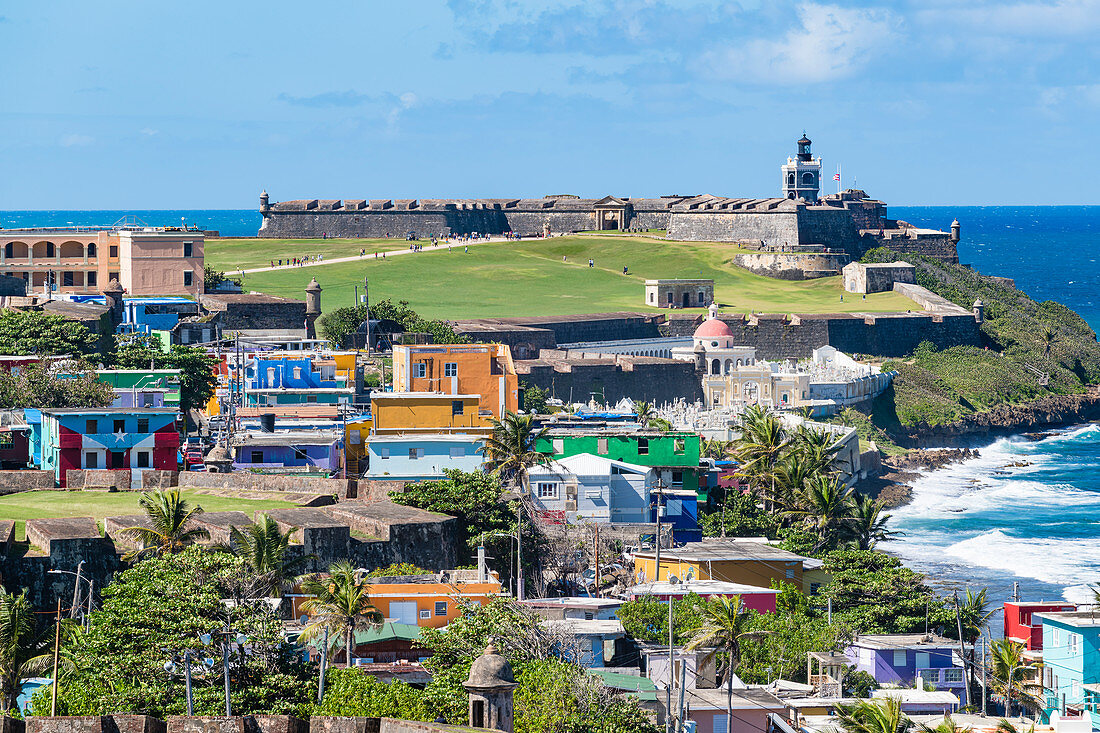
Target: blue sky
138,104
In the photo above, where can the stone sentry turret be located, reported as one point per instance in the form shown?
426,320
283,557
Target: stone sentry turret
490,687
955,230
313,307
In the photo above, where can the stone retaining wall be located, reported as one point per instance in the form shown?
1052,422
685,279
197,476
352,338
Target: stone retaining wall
792,265
25,479
244,481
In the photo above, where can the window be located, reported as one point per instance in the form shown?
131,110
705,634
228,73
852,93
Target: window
300,454
188,249
113,251
384,453
143,423
49,249
923,660
147,400
953,676
790,573
256,456
899,657
9,249
601,446
91,277
419,370
297,372
546,490
425,614
1054,636
674,507
678,446
67,279
91,460
311,398
678,478
113,276
458,451
559,446
91,249
188,278
119,426
456,407
416,453
643,446
90,426
143,459
1073,640
450,369
652,296
440,608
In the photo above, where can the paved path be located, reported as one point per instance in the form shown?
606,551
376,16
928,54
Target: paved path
453,246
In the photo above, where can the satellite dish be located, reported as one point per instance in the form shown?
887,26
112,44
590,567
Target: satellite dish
169,666
303,619
208,663
205,638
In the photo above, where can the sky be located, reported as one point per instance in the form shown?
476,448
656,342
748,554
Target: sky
136,104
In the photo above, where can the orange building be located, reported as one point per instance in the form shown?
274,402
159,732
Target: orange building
425,600
481,369
399,413
145,261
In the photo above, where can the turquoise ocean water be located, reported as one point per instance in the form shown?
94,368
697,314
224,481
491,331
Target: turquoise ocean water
1026,511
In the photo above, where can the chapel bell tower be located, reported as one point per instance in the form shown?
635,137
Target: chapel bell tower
802,174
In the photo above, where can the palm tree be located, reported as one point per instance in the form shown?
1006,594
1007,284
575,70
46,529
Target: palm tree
759,446
791,474
171,516
974,611
868,523
725,624
340,603
265,550
512,449
644,413
1010,676
874,716
23,653
826,508
1047,337
716,448
947,725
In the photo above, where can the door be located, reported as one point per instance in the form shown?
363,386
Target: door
118,459
403,612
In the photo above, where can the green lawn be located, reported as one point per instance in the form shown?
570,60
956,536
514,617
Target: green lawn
529,278
229,255
100,504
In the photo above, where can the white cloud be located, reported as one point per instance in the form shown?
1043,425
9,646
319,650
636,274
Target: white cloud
830,42
75,140
147,131
1026,19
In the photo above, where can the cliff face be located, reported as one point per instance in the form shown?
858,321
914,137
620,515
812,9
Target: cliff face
1045,412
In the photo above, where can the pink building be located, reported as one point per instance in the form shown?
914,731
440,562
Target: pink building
145,260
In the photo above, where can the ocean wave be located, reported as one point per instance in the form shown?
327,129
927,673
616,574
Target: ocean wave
1059,561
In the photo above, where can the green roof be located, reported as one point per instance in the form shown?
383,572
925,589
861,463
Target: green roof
640,687
389,631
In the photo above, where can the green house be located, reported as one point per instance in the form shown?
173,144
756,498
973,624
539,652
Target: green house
674,454
136,381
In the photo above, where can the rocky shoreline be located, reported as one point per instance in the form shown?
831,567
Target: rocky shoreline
893,486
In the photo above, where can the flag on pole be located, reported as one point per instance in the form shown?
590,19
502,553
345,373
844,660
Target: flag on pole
836,176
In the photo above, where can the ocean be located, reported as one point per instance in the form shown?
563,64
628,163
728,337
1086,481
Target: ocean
1028,510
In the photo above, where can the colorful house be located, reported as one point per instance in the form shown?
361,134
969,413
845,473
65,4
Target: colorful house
428,412
902,658
675,455
288,450
1071,659
141,387
275,380
587,488
107,437
1022,626
734,561
420,456
481,369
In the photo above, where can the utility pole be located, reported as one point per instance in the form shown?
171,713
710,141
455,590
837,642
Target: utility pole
1016,591
324,661
985,679
669,726
596,559
962,646
56,660
659,487
519,547
76,590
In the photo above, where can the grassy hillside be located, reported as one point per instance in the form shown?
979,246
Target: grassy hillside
530,278
1024,340
229,255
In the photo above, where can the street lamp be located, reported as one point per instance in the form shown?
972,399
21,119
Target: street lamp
518,497
170,668
76,591
510,536
227,637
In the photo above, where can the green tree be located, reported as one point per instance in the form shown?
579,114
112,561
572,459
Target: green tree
337,325
340,603
23,652
874,716
265,550
974,613
172,527
353,693
758,447
212,278
154,611
868,525
947,725
41,386
825,507
511,450
725,624
646,618
1013,676
534,398
43,333
740,516
197,378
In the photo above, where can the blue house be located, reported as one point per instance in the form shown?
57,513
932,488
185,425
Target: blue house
287,380
1071,659
589,488
291,451
421,456
902,658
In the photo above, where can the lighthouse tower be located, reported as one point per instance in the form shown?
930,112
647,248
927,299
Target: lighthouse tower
802,174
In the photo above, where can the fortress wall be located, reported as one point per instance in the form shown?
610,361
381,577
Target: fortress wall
774,229
649,220
830,227
532,222
790,265
939,246
397,223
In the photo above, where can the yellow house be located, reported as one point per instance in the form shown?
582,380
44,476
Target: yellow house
428,412
486,370
732,561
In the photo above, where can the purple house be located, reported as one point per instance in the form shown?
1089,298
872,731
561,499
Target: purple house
900,658
290,451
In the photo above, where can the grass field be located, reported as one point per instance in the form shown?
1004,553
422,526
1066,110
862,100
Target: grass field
229,255
97,504
530,278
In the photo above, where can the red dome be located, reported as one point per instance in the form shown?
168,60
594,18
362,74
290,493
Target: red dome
713,328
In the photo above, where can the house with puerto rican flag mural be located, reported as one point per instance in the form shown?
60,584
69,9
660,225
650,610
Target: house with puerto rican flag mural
134,439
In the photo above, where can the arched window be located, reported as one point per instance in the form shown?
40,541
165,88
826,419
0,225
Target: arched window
790,195
790,179
729,365
49,249
807,179
716,367
91,249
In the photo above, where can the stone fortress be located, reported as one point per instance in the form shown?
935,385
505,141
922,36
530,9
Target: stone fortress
800,234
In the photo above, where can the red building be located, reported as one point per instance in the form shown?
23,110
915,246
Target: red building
1019,626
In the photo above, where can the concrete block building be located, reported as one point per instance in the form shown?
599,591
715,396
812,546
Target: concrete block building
460,369
679,293
880,277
